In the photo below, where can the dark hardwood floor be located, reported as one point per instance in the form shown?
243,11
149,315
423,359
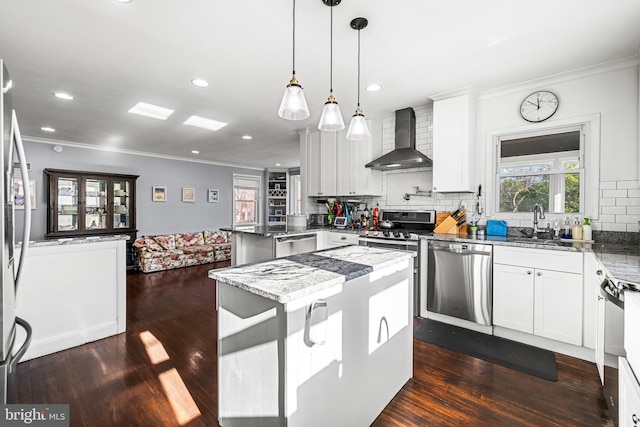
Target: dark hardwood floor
162,372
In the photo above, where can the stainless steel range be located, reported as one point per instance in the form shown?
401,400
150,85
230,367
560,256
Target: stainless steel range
404,233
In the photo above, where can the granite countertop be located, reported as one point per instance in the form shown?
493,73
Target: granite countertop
287,279
620,260
74,240
280,230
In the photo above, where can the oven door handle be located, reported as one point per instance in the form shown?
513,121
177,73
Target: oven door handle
606,284
406,243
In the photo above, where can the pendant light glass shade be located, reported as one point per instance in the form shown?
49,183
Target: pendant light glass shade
293,105
331,118
358,129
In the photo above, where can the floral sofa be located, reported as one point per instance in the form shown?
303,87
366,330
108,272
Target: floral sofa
167,251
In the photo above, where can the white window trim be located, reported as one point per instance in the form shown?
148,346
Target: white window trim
256,178
590,185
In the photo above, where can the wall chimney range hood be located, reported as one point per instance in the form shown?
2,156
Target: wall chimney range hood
404,155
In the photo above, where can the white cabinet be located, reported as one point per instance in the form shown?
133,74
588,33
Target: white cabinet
453,127
321,163
353,178
332,165
628,395
334,239
542,301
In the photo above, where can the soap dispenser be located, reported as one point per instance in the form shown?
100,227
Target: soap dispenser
576,231
587,232
566,231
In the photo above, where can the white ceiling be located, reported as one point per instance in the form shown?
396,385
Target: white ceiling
111,55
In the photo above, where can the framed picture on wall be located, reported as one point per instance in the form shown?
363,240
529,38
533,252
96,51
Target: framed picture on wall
213,196
159,194
188,194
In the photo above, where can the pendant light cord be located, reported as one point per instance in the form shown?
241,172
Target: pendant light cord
294,37
358,68
331,54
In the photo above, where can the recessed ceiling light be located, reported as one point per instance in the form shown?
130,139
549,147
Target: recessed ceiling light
195,152
203,123
63,95
278,164
57,148
374,87
150,110
200,82
123,1
247,137
47,129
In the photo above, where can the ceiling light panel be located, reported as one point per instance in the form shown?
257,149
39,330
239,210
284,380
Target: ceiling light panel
150,110
63,95
203,123
48,129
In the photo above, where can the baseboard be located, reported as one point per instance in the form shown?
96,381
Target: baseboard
64,341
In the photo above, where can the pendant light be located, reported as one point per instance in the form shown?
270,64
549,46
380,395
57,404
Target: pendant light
358,128
331,118
293,105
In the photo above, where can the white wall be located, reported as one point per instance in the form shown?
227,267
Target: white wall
172,216
610,90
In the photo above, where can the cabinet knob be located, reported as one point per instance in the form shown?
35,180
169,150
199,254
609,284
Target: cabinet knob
539,274
528,272
634,418
343,238
599,272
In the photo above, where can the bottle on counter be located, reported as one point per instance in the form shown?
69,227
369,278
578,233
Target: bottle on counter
566,230
376,211
556,228
587,232
576,231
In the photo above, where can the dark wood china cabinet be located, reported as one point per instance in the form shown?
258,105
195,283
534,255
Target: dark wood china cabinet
82,204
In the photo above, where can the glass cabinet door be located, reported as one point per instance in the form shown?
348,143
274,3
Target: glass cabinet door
95,201
67,204
121,204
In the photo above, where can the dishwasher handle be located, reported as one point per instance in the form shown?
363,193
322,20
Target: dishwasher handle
459,251
297,238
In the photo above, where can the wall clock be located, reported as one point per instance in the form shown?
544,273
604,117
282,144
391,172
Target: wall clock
539,106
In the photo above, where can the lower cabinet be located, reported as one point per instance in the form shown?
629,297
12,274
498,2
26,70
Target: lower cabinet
628,395
535,300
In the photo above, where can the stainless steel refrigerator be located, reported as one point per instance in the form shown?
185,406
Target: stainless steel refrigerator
11,151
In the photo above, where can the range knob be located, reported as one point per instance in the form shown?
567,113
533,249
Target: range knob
375,233
385,233
396,234
406,235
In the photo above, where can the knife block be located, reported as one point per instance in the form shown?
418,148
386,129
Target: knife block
447,226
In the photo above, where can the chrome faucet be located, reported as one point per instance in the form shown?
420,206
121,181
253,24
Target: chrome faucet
537,209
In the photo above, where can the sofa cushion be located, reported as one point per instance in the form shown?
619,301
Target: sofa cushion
169,253
184,240
167,241
194,249
213,237
151,245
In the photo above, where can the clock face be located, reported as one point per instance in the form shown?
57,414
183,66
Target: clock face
539,106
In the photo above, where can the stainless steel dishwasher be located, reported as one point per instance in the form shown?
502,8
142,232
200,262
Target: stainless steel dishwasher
459,281
294,244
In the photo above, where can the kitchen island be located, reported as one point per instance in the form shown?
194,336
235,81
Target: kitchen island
316,339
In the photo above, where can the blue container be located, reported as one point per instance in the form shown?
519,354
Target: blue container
496,228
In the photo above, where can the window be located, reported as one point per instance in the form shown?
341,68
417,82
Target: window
555,163
543,169
246,199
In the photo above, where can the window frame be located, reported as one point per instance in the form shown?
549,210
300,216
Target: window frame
588,125
258,187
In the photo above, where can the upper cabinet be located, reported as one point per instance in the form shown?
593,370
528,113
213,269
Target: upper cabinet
321,163
453,127
353,178
90,203
335,165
